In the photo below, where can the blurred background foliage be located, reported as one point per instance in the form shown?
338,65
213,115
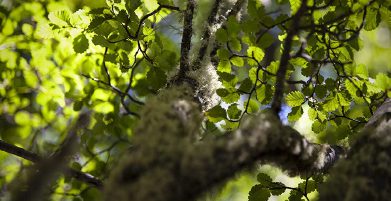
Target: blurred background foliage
35,113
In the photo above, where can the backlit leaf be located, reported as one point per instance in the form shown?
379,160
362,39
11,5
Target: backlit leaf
233,111
255,52
295,98
258,193
295,5
80,43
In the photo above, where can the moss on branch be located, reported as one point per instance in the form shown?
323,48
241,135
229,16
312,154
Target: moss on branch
365,174
169,164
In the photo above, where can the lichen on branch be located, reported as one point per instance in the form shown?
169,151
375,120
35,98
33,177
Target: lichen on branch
365,174
168,161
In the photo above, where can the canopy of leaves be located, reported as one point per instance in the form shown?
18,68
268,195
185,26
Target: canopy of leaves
108,58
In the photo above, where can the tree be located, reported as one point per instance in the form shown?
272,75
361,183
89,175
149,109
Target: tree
106,101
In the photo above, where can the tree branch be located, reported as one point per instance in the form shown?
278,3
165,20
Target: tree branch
17,151
186,168
280,80
365,174
212,19
186,39
235,9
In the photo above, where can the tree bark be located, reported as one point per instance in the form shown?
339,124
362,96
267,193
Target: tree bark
366,173
168,164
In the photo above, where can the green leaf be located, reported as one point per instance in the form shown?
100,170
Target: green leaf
222,92
221,35
97,11
331,104
299,62
321,91
258,193
27,29
124,59
8,27
312,114
78,105
295,5
351,88
22,118
151,5
266,40
386,15
224,66
157,78
232,97
228,79
321,115
277,188
104,107
237,61
361,71
91,194
295,114
132,5
233,111
246,85
372,19
295,98
342,100
60,18
260,92
383,81
229,125
235,44
216,114
253,106
80,43
264,178
255,52
273,67
252,74
310,184
316,114
223,54
295,196
233,26
318,127
264,93
101,94
95,22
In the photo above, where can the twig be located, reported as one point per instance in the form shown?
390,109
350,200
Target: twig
30,156
280,80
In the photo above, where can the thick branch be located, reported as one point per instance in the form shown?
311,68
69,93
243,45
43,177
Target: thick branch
186,168
17,151
365,174
212,19
215,21
186,38
281,73
235,9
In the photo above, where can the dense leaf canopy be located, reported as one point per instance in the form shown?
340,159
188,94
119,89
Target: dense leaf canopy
108,59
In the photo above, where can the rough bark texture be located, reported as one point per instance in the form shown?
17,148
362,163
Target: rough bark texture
366,173
170,164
